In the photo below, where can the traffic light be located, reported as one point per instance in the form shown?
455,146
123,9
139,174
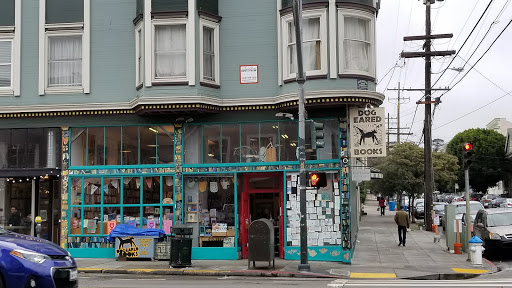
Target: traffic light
467,154
317,135
318,179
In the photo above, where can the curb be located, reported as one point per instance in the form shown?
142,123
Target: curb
254,273
494,268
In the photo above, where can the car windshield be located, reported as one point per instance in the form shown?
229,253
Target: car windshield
3,231
473,208
420,204
499,219
439,208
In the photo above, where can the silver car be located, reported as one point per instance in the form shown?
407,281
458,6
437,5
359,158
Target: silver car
494,227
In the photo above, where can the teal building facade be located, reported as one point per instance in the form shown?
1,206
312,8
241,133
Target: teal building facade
155,113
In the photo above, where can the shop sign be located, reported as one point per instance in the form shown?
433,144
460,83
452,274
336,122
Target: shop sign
361,174
367,132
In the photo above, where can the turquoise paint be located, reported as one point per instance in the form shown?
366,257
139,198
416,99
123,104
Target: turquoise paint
7,13
321,253
92,252
214,253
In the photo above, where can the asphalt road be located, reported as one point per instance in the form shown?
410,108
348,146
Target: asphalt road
160,281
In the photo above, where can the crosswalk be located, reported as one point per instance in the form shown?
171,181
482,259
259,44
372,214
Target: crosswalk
347,283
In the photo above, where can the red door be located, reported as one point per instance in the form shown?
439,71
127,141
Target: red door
260,183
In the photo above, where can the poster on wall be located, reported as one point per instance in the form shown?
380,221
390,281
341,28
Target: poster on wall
367,132
249,74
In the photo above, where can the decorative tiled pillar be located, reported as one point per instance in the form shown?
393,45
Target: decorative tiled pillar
64,188
178,162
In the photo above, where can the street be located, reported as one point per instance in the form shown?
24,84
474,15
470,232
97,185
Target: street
157,281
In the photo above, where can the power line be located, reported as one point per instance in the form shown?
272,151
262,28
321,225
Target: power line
465,41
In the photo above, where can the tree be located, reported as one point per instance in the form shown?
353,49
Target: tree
489,162
403,172
445,171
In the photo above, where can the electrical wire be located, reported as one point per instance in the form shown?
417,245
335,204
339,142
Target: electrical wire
465,41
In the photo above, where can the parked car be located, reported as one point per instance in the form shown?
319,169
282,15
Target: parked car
507,203
496,202
27,261
439,210
460,210
486,200
494,227
419,210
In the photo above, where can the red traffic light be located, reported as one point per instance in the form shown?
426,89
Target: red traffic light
467,146
318,179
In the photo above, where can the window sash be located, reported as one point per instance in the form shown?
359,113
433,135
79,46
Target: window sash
356,44
65,61
140,64
170,51
311,48
5,63
209,54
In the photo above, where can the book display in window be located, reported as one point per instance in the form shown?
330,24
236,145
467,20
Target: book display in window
191,212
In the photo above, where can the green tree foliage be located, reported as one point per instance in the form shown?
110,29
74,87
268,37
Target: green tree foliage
445,171
403,171
489,162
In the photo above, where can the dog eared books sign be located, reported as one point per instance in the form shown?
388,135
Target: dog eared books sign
367,132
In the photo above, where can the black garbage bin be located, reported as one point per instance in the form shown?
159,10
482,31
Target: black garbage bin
181,246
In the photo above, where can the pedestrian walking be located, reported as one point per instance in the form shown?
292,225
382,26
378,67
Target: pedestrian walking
402,220
382,204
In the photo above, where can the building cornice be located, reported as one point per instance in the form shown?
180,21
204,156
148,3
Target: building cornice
147,105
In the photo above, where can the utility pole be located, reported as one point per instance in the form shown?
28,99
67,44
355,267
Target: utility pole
398,133
429,169
297,18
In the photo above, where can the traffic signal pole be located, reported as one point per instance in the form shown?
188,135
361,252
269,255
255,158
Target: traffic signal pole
468,210
297,18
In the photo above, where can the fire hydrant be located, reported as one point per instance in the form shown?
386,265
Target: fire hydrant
476,250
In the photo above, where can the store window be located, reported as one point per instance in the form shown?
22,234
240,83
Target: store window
289,133
323,209
97,205
230,143
209,208
129,145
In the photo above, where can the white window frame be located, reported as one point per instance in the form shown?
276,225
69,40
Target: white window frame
215,26
63,33
313,13
84,28
8,37
167,22
342,13
139,53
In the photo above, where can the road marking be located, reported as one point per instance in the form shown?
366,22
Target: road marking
372,275
469,271
420,283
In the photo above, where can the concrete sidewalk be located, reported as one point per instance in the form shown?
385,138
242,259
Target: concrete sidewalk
376,255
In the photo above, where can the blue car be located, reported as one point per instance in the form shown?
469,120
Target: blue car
27,261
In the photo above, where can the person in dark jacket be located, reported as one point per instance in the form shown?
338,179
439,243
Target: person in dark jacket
402,220
15,218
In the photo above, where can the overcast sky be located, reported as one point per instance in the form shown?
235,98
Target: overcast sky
490,80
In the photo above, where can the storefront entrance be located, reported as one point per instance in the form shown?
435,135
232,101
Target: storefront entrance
262,197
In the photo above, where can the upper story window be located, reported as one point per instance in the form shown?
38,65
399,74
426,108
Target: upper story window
5,64
357,42
64,60
314,48
64,50
170,50
209,43
139,52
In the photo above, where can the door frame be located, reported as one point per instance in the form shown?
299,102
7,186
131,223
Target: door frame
245,208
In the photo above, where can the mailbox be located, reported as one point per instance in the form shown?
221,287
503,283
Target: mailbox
261,242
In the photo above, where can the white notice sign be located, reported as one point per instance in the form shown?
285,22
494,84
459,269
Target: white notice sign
361,174
249,74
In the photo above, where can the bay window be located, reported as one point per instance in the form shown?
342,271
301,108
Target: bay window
169,50
356,35
65,61
209,37
314,48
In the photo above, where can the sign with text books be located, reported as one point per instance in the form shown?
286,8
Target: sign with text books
367,132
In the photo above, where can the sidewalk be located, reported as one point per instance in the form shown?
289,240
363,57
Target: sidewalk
376,255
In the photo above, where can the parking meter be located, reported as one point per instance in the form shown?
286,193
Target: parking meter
38,226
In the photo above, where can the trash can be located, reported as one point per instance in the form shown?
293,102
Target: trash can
261,242
181,246
391,205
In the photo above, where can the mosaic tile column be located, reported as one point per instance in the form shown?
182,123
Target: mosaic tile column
345,198
64,188
178,162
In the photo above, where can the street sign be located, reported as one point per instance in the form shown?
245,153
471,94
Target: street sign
361,174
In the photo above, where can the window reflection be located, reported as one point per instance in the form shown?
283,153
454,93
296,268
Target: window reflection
113,145
148,145
95,146
250,148
211,144
289,140
130,149
230,143
165,148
